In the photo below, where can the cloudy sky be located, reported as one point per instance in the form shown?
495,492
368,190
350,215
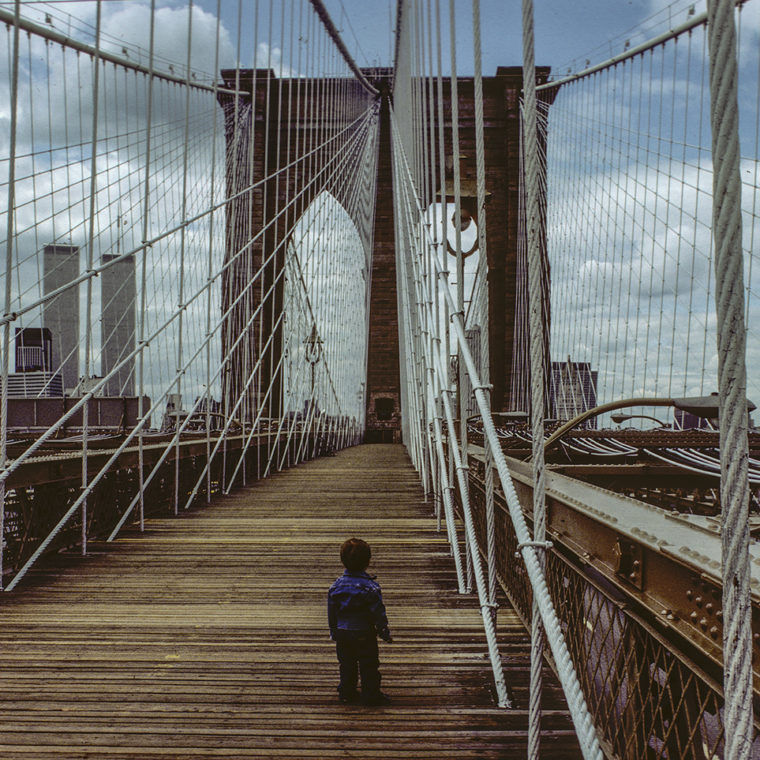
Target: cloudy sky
630,220
567,35
53,177
284,36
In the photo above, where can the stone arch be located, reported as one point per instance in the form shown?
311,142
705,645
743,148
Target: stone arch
261,104
341,336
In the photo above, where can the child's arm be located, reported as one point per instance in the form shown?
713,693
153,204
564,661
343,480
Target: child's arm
332,618
379,617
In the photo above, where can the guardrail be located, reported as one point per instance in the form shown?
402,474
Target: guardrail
650,674
41,491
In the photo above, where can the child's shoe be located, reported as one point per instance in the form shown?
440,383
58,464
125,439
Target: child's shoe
350,698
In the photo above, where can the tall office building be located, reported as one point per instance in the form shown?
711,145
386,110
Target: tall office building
573,389
118,292
61,315
688,421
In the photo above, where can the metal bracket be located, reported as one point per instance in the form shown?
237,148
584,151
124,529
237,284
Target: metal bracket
536,544
629,560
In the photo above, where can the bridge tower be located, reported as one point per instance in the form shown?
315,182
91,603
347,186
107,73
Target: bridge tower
261,140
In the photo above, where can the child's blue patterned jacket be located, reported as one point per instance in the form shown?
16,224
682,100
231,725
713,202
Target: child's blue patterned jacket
355,603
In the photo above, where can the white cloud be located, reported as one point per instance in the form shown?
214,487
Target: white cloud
270,56
54,168
129,25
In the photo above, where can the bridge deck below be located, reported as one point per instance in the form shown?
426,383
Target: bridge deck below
206,636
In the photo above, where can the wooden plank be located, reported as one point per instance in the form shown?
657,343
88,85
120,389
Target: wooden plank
206,636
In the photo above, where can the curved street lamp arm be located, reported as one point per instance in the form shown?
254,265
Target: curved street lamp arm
601,409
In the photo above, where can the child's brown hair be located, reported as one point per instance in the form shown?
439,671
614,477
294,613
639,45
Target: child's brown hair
355,554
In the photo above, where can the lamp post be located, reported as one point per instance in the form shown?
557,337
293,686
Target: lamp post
701,406
313,354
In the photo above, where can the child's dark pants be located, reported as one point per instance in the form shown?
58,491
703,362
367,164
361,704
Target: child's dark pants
358,655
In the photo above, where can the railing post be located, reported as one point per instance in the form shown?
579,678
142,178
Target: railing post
90,267
480,167
536,331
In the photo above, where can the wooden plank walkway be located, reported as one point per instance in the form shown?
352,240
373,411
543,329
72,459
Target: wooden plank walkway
206,637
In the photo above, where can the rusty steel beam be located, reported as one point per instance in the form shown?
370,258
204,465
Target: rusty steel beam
664,564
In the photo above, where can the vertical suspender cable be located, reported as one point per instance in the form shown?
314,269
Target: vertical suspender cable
246,147
732,380
259,384
183,239
90,264
229,382
273,367
441,303
143,266
288,183
480,164
430,268
8,267
535,308
462,404
211,259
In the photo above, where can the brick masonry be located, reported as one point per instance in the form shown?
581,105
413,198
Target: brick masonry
284,138
383,383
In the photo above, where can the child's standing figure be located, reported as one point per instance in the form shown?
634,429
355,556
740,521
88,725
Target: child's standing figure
356,614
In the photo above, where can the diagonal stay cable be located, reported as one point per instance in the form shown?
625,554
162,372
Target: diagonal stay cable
552,626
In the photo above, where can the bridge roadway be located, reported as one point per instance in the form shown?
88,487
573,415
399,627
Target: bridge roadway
206,636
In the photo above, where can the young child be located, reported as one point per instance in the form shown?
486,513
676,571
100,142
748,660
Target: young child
356,615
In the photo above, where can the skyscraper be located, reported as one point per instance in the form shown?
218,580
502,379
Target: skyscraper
118,291
573,389
61,315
